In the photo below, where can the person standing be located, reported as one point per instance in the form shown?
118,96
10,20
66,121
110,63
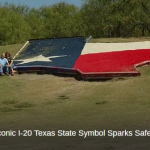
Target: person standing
4,65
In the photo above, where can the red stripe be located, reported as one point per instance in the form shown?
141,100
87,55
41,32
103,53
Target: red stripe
122,61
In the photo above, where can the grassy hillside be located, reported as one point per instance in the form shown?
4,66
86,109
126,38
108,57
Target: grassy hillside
13,49
35,102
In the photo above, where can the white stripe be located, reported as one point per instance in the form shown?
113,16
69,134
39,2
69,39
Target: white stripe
91,48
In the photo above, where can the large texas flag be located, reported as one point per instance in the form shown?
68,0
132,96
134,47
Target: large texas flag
88,59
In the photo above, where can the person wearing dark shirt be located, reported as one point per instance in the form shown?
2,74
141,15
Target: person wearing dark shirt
10,63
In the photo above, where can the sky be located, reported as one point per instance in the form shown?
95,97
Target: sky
39,3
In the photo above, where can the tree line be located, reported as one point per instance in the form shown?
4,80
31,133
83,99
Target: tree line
99,18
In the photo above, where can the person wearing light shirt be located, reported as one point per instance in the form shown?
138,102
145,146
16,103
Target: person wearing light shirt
3,65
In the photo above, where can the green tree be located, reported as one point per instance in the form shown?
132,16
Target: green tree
36,23
96,17
61,20
13,28
131,18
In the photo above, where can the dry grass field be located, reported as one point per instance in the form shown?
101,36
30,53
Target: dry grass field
51,103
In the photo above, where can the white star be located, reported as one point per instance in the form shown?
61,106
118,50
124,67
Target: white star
38,58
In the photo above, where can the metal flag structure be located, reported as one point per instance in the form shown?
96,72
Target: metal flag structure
84,60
